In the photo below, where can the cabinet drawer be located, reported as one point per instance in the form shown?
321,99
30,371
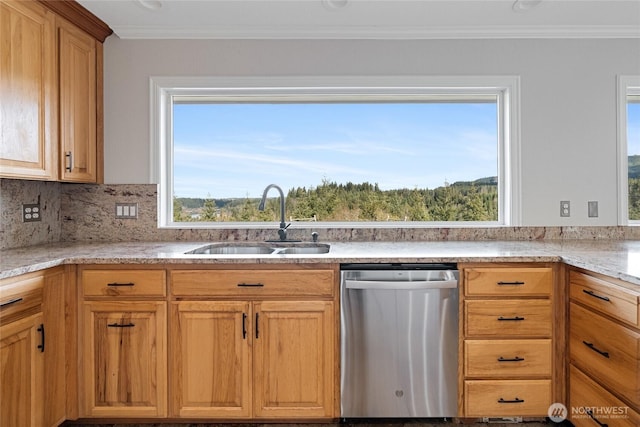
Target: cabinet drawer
253,283
113,283
604,296
20,297
605,350
510,318
589,402
508,281
507,398
507,358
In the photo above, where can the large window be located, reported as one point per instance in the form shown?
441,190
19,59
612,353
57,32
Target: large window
425,151
629,149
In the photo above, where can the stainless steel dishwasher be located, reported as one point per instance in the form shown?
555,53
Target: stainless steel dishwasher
399,340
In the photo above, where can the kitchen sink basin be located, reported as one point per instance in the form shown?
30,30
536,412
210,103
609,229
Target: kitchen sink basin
280,248
315,249
232,249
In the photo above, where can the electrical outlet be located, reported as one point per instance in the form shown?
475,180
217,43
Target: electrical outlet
565,208
126,210
31,212
593,209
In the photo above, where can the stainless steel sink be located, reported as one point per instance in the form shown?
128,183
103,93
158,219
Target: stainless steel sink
276,248
315,249
232,249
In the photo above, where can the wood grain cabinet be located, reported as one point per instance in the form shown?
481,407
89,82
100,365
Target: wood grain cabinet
507,340
254,343
32,386
51,91
123,343
28,97
604,351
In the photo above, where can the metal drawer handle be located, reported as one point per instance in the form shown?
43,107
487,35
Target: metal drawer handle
69,166
515,318
593,294
121,284
120,325
250,285
597,350
514,283
41,345
514,359
516,400
10,302
601,424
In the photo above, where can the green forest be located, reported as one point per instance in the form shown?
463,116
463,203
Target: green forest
461,201
350,202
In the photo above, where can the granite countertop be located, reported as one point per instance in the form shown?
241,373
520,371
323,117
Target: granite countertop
615,258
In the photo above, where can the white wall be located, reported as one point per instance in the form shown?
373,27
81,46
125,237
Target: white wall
568,100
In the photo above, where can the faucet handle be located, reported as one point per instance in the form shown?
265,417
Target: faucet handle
314,237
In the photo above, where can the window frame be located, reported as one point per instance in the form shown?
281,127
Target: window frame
627,85
506,88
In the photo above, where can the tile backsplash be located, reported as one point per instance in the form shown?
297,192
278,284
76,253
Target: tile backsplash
85,212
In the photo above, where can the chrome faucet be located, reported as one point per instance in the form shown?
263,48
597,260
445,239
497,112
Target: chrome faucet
282,232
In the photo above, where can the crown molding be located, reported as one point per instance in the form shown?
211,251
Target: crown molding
380,33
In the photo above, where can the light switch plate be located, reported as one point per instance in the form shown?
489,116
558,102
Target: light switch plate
126,211
593,209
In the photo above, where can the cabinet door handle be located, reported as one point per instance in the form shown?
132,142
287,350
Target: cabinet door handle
515,400
597,421
250,285
10,302
120,325
115,284
244,326
257,331
513,283
593,294
69,156
41,345
510,319
513,359
596,349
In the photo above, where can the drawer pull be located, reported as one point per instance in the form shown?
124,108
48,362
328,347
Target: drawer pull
514,283
593,294
41,345
597,421
514,359
121,325
10,302
244,326
257,332
516,400
597,350
120,284
250,285
510,319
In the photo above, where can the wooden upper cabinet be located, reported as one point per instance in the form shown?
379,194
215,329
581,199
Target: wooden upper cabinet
28,131
77,91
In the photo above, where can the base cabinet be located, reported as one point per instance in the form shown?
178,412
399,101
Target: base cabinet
256,348
22,369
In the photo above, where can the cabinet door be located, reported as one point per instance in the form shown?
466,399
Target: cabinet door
211,359
125,359
77,81
21,373
294,359
27,91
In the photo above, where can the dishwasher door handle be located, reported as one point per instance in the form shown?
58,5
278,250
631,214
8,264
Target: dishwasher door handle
401,286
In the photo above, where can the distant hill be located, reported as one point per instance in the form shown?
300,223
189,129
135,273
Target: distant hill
634,166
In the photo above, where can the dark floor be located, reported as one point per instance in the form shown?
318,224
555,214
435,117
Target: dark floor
348,423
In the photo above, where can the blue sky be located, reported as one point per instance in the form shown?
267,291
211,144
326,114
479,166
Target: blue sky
236,150
633,124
